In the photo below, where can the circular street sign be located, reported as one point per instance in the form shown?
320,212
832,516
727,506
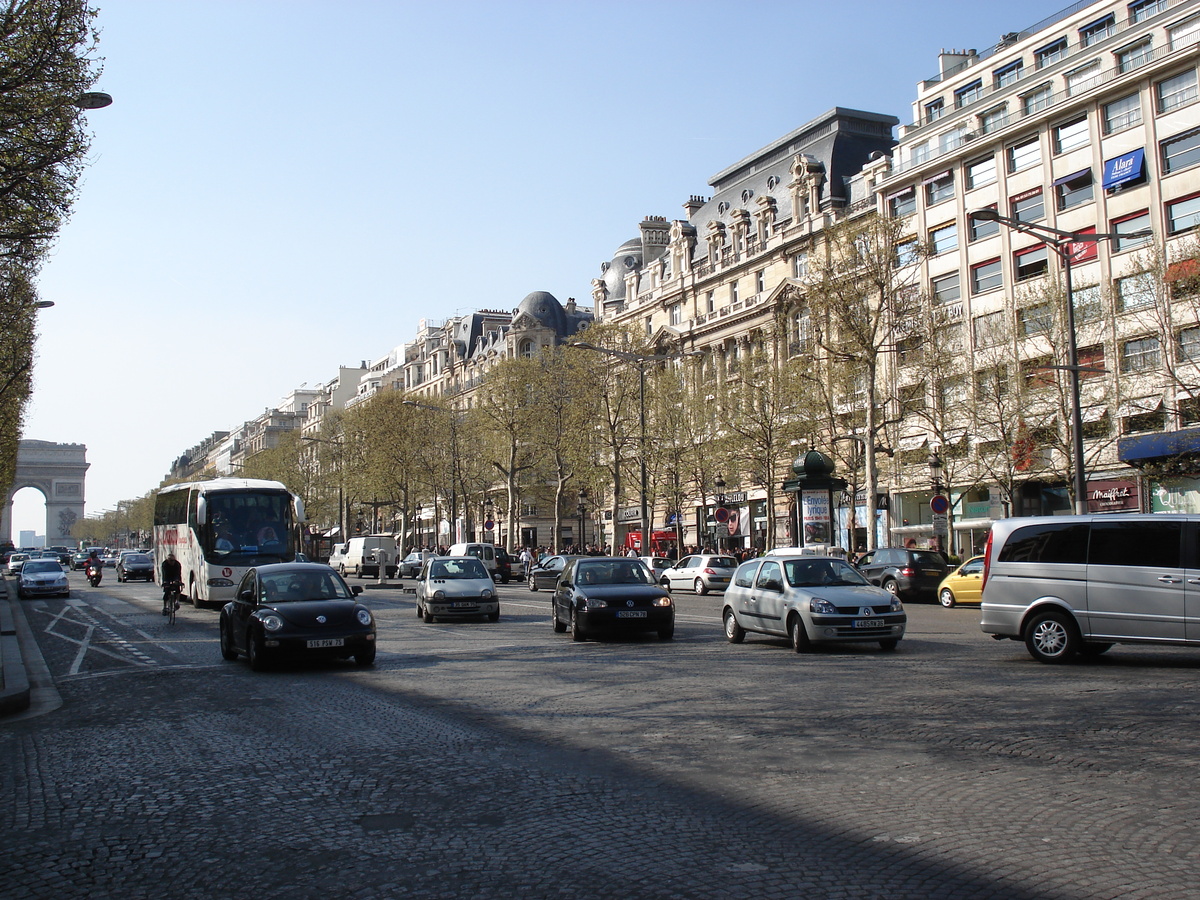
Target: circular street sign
939,503
721,514
489,525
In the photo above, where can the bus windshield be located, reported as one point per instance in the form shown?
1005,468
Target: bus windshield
247,528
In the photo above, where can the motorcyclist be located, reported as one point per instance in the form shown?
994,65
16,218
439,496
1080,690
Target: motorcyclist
172,573
94,568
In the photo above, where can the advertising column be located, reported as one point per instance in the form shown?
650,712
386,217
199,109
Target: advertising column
816,516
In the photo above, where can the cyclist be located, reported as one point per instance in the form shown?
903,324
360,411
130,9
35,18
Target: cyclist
172,576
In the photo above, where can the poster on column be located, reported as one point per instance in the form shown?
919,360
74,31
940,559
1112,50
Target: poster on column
816,517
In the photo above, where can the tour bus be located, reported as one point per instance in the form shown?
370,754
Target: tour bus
218,529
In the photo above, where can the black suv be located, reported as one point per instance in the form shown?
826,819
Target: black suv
907,573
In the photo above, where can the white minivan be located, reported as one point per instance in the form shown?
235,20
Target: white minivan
1068,585
360,556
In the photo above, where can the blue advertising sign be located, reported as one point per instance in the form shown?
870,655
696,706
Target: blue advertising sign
1124,168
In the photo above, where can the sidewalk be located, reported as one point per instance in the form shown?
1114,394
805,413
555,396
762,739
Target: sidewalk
14,679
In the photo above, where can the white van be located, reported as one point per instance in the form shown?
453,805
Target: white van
361,556
485,553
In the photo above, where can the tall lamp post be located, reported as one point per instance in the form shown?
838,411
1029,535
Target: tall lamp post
721,515
1064,243
642,361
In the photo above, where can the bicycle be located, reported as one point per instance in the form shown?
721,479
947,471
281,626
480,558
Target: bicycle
172,591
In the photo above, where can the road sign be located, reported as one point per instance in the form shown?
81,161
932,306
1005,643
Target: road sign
721,514
941,524
940,503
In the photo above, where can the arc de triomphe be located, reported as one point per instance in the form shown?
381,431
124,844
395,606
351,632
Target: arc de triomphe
57,470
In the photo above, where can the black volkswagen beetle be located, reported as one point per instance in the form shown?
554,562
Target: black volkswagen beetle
296,610
615,593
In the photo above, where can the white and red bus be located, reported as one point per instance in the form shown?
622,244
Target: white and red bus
218,529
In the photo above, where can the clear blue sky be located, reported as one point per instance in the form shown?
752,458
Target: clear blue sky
284,187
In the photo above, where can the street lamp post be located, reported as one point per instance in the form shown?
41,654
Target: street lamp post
1063,244
641,360
719,484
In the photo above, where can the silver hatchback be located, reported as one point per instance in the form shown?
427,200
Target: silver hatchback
810,600
700,572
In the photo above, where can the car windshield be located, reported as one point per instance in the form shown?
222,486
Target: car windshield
41,565
292,587
820,572
457,568
613,572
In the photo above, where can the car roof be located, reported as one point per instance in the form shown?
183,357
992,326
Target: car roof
279,568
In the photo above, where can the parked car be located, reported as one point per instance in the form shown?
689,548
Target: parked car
411,565
963,585
909,574
614,593
456,587
810,600
135,565
15,562
700,573
504,565
1077,585
543,575
42,577
296,610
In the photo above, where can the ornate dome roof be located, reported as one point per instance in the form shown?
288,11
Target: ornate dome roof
543,306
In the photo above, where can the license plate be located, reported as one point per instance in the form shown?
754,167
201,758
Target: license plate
326,642
462,605
631,614
869,623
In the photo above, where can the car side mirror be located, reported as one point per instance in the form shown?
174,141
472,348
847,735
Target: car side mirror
356,589
246,595
773,584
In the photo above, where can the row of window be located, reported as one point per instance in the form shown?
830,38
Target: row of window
1118,115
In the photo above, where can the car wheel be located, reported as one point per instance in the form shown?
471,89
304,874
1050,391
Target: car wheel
734,633
364,658
576,626
1051,637
667,632
494,616
418,609
254,652
194,596
666,584
532,584
699,586
946,598
889,643
505,579
426,615
559,625
798,635
1091,651
228,651
891,587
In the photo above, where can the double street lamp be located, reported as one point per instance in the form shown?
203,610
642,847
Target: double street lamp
1065,244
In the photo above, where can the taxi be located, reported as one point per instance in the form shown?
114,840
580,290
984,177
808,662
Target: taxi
963,585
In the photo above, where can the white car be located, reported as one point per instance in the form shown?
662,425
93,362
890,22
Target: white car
15,562
701,573
657,565
43,577
456,586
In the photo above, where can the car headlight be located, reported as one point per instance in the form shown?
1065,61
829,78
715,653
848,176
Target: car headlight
897,606
824,607
594,604
272,622
439,595
364,617
662,601
486,593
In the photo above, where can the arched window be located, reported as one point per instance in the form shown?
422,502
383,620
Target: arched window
527,349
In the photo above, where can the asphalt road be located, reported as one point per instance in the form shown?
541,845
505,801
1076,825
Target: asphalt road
496,760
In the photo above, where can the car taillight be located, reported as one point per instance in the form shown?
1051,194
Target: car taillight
987,562
908,571
710,571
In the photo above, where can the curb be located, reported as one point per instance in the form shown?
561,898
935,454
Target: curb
14,679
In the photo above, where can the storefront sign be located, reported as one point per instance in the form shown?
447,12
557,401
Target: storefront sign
1122,169
629,514
1110,496
816,517
1180,495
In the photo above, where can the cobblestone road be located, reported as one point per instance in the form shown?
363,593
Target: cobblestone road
482,760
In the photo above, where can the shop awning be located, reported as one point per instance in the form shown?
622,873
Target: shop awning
1139,407
1184,268
1144,447
913,442
1074,176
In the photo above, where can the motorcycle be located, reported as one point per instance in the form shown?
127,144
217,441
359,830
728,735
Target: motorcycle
94,572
